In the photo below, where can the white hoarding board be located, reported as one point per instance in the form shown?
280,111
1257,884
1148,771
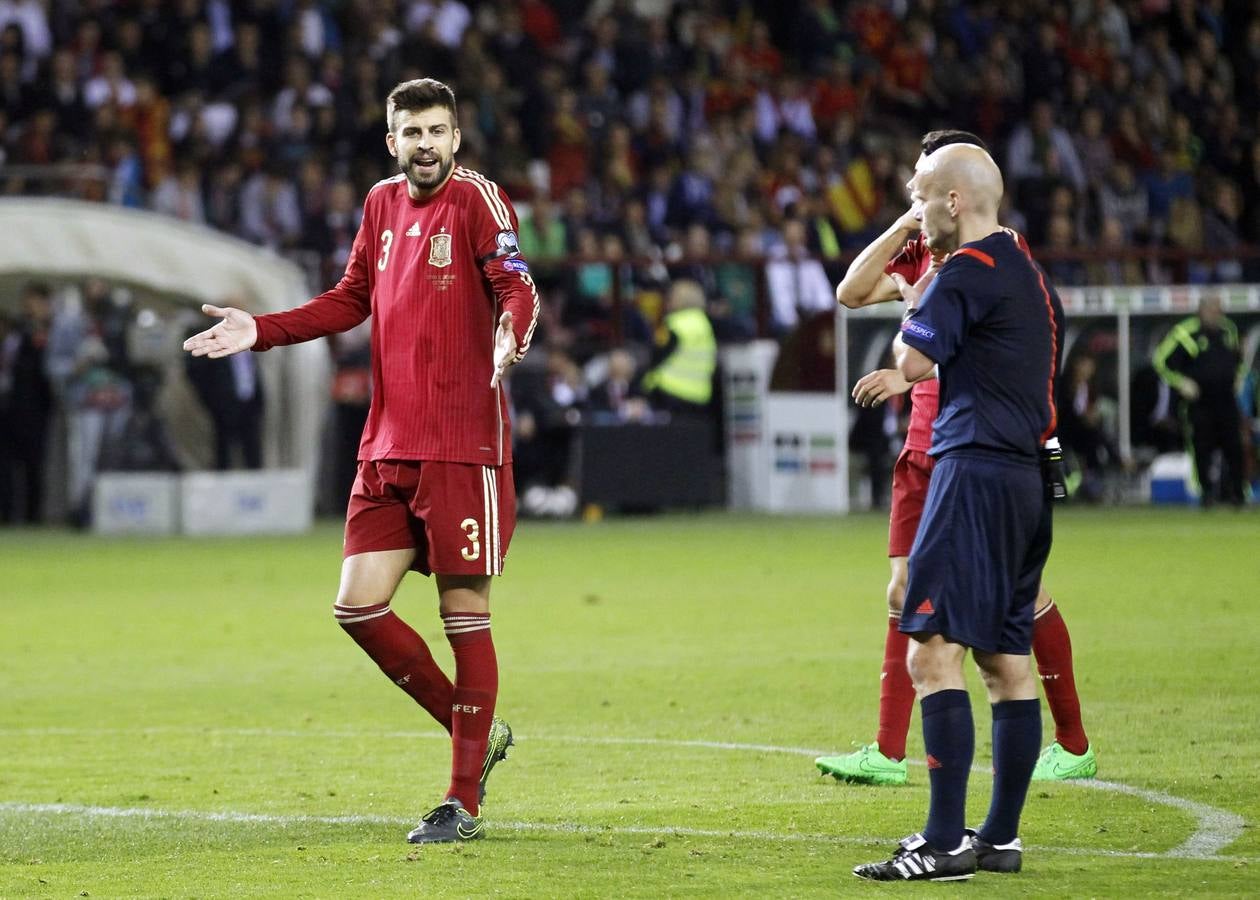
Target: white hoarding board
135,503
746,381
269,501
805,434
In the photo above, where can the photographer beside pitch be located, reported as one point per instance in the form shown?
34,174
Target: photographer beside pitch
992,325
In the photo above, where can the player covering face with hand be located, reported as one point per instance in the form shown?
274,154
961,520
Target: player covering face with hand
453,305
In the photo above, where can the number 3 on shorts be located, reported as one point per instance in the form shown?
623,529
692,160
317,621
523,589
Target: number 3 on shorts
473,533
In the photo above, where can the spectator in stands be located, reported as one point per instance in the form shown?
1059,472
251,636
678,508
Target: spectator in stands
1122,200
874,435
1061,239
26,407
9,338
1084,416
694,114
691,197
351,395
1129,144
1251,193
1169,189
1117,266
178,193
1093,148
231,391
1249,403
548,403
1222,227
797,282
618,396
1156,424
737,279
270,214
543,234
111,86
1041,151
142,443
88,366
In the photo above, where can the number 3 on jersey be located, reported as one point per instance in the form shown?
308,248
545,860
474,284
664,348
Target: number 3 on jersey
387,241
473,533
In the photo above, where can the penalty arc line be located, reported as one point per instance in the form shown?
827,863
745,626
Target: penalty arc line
289,820
1215,828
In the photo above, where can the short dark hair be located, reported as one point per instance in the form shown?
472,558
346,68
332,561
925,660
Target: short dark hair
418,94
935,140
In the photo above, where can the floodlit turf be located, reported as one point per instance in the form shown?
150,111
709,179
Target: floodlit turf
183,718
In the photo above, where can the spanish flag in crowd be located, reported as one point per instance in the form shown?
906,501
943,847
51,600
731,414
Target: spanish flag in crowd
854,198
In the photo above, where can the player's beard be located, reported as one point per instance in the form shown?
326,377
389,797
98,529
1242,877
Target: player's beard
426,182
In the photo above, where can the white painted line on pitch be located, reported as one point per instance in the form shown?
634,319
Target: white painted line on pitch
1215,828
287,820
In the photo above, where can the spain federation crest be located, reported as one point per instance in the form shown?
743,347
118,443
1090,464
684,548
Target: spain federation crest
440,250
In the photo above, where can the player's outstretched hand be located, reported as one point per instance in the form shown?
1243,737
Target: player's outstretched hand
875,387
504,349
236,332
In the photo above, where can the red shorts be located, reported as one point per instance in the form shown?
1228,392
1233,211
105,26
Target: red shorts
911,475
459,517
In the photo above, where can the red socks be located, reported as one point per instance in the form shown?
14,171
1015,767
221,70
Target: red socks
464,709
896,693
476,689
1052,647
401,654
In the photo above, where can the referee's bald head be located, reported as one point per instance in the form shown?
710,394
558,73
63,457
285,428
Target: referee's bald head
969,172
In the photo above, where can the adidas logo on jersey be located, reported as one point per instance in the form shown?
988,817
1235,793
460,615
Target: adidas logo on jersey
414,230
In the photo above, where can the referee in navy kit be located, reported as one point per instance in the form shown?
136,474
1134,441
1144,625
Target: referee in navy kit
993,326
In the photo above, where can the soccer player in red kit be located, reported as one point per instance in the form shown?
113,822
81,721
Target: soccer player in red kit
436,265
887,270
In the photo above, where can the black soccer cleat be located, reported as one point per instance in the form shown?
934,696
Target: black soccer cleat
496,749
917,860
448,822
996,857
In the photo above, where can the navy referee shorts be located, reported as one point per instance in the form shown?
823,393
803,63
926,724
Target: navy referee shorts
977,557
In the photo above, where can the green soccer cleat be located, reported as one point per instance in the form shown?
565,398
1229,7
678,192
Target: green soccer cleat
1056,764
864,766
448,822
496,749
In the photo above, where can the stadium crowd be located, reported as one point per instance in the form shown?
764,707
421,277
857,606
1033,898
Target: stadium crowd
621,126
750,146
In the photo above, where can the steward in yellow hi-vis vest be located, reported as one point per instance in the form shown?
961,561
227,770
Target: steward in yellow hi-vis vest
683,378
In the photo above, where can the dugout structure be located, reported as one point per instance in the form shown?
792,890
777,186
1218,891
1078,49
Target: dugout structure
66,241
1126,322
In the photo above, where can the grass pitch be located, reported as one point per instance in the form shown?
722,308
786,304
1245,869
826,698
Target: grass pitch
183,718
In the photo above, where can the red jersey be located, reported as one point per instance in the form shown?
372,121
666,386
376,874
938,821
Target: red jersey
911,264
435,275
